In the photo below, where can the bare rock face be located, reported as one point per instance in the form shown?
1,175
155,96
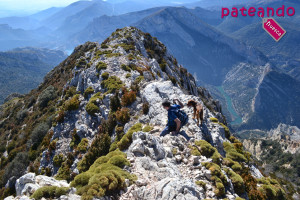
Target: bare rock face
29,183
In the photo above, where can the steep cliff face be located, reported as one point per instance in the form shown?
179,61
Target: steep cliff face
94,126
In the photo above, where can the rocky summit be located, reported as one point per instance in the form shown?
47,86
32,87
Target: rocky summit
92,129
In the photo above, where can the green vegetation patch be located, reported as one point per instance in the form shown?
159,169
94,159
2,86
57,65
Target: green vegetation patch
88,91
92,108
83,145
147,128
271,189
112,84
99,147
236,180
207,150
105,176
73,103
218,177
49,192
126,140
101,66
232,153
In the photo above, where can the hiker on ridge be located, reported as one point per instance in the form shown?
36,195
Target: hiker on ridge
176,118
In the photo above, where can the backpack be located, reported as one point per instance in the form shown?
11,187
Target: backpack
182,116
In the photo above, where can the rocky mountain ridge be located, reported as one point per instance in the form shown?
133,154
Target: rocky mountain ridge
94,123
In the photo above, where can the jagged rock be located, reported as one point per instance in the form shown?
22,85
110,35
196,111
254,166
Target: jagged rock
208,174
178,158
195,160
29,183
69,197
169,189
49,181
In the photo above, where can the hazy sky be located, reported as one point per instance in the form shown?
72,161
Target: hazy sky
32,4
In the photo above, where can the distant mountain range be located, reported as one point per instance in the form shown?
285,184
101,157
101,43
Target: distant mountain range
23,69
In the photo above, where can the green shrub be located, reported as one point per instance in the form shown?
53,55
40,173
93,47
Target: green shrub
138,80
99,147
125,68
127,47
75,139
73,103
103,177
205,148
71,91
58,160
201,184
218,177
123,115
126,140
49,192
17,167
220,189
235,166
119,161
47,95
128,75
64,172
209,151
237,181
147,128
112,84
83,145
105,75
88,91
39,133
109,55
92,108
232,153
113,146
101,66
271,189
128,98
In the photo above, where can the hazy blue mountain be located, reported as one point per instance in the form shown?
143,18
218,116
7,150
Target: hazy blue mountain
45,13
23,69
11,38
79,20
197,44
57,19
101,27
29,22
20,22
